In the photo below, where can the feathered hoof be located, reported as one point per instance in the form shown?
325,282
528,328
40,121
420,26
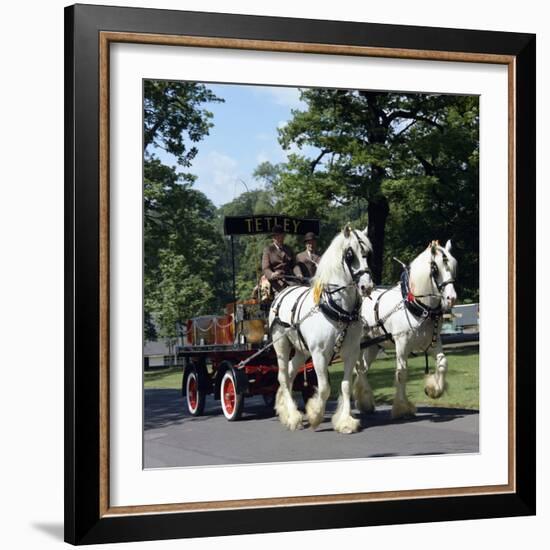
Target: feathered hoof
364,398
314,412
280,407
289,415
433,388
294,421
346,425
402,409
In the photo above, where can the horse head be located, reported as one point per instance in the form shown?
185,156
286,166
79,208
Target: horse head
356,247
443,267
345,262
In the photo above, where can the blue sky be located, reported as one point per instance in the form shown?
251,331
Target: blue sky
243,136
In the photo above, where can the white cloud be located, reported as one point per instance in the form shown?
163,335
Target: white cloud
263,156
218,176
222,166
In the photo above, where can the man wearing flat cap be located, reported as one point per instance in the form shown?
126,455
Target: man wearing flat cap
308,260
277,260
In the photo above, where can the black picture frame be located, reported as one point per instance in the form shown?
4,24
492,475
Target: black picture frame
84,521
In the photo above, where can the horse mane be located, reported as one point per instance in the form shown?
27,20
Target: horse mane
330,264
421,264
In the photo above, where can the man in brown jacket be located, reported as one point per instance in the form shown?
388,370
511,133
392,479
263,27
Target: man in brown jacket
277,260
308,260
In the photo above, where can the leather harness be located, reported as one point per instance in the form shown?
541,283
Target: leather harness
412,304
327,304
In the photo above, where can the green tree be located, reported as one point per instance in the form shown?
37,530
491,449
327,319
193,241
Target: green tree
182,244
174,117
355,134
367,146
437,197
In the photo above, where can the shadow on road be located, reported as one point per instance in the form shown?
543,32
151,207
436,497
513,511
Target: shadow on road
423,414
166,407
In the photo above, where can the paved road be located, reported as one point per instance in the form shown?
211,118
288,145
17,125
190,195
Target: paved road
173,438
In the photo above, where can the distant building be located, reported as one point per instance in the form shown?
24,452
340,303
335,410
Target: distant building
158,354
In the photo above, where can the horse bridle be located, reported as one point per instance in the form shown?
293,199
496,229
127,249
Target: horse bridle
434,272
349,256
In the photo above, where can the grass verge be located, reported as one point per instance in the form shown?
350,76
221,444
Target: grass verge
463,379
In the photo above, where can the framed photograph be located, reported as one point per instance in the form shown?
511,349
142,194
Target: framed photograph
298,257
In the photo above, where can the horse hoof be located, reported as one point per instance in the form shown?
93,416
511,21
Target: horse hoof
295,422
314,413
434,388
368,408
400,410
314,424
349,426
349,430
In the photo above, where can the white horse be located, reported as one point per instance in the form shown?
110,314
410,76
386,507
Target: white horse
320,321
410,313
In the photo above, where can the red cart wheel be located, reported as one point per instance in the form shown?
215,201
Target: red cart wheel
195,396
232,401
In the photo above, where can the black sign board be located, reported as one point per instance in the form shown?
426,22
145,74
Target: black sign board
254,225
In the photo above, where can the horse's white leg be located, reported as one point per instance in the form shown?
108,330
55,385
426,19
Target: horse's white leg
285,406
342,420
435,384
315,406
295,363
362,392
401,405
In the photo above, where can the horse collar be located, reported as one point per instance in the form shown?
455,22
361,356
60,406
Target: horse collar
337,313
413,304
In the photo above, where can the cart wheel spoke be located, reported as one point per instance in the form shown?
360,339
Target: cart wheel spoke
195,394
232,401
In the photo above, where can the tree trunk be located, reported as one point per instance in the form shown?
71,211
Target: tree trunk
378,211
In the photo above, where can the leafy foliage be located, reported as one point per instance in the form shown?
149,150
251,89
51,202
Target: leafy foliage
406,164
182,243
173,116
